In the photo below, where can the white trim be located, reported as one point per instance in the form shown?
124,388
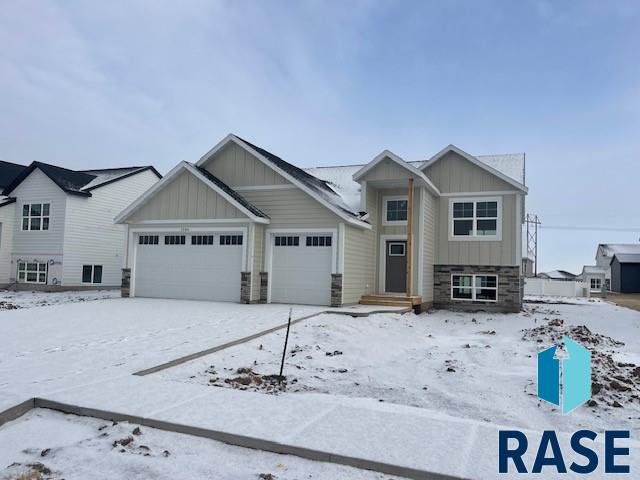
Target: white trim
232,138
193,221
269,233
250,188
403,244
29,217
382,261
474,194
518,250
473,287
387,154
421,194
475,161
363,196
393,223
341,249
473,238
127,212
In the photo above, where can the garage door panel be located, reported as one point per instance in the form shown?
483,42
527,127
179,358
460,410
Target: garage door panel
199,272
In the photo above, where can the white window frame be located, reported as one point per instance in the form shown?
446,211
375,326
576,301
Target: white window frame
38,271
41,217
597,288
474,237
385,200
404,249
473,287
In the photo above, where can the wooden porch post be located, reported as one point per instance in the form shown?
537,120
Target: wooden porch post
409,256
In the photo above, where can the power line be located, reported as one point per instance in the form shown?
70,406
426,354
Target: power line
598,229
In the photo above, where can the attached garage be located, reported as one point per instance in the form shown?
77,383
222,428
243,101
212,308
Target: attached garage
301,266
625,273
194,266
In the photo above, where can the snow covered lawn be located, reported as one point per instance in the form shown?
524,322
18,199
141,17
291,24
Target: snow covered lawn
66,446
477,366
68,345
10,300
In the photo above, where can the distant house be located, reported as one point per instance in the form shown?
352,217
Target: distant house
605,253
528,262
594,276
625,273
56,224
558,275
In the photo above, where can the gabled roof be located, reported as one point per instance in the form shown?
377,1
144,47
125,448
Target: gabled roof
558,275
217,185
77,182
316,188
593,270
479,163
610,249
387,154
627,257
8,172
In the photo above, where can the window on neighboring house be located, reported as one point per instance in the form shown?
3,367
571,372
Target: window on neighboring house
319,241
92,274
174,239
201,239
477,218
395,210
35,216
32,272
148,240
596,283
230,239
481,288
284,241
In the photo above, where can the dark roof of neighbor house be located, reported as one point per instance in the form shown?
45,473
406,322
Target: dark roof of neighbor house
8,172
231,192
321,187
627,257
77,182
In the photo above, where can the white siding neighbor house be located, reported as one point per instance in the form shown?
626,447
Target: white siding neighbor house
606,252
57,225
243,225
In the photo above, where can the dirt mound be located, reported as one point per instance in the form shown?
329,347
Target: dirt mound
614,384
4,305
247,379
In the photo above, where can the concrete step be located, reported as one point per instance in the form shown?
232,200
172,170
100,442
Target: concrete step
386,303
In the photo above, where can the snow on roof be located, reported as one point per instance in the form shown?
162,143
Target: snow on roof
593,269
107,175
628,257
610,249
510,164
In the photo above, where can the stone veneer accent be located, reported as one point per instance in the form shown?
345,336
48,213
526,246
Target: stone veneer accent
245,287
125,286
336,289
510,288
264,286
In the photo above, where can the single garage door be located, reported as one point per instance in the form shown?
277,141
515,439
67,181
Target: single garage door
194,266
301,269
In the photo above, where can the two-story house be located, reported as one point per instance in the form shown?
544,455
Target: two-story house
242,224
56,224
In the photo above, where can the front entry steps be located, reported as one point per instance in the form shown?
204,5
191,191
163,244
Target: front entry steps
393,300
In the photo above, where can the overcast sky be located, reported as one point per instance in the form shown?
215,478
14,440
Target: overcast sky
102,84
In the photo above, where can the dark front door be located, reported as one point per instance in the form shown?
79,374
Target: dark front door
396,266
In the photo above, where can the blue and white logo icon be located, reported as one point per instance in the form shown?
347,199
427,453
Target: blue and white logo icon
565,382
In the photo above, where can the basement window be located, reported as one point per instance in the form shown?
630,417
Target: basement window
201,239
148,240
174,239
480,288
32,272
284,241
319,241
230,239
92,274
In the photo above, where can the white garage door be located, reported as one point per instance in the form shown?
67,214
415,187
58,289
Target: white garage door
301,269
194,266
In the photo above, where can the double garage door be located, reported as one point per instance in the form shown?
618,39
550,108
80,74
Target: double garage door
192,266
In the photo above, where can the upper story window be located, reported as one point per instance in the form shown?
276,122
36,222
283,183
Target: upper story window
475,219
395,210
35,216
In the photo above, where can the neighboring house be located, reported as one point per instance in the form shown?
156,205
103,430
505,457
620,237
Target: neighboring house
8,172
528,262
59,230
594,276
558,275
605,253
244,225
625,272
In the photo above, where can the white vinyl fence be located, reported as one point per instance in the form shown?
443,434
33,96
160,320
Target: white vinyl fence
556,288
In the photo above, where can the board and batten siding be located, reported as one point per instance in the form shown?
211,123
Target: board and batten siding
428,244
91,237
237,167
7,226
185,197
386,170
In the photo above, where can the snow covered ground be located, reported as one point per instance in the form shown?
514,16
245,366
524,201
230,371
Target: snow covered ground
476,366
70,447
10,300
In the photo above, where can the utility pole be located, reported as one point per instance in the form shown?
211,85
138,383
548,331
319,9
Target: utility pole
533,222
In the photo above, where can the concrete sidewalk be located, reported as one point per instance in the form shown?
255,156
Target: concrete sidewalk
411,440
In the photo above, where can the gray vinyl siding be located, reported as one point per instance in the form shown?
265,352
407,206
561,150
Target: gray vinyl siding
187,198
453,173
258,261
429,245
236,167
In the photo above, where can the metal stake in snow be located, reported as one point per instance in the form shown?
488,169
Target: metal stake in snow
286,340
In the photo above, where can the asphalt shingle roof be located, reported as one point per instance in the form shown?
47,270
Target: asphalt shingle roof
8,172
627,257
